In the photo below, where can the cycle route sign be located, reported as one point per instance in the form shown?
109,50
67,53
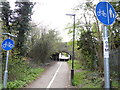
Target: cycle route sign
7,44
105,13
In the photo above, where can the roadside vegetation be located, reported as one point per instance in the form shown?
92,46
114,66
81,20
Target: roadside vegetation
21,72
85,78
26,78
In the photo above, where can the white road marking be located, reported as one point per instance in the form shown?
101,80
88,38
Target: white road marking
54,76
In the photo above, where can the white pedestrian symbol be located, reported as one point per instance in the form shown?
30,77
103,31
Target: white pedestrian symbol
111,13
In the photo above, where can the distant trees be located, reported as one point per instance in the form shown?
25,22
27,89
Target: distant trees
45,46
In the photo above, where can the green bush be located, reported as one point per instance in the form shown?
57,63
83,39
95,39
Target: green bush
20,72
85,78
77,64
32,74
79,78
82,79
16,84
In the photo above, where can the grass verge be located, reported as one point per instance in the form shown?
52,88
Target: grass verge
33,73
86,78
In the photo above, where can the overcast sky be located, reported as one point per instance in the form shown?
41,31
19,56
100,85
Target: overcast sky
52,13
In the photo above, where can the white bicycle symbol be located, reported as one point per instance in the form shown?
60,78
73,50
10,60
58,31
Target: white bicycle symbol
101,12
7,44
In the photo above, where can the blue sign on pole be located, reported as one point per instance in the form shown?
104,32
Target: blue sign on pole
105,13
7,44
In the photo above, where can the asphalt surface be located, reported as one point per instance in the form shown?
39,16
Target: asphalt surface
56,76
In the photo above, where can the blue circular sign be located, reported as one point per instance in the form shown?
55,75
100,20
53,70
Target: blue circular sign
105,13
7,44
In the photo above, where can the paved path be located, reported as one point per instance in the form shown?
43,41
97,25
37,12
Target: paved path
57,76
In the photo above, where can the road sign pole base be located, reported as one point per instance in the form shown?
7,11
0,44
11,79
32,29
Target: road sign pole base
72,77
5,79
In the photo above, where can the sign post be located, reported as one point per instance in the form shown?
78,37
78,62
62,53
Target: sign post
7,45
6,71
106,57
106,15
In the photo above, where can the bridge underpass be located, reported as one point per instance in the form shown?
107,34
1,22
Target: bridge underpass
63,53
61,56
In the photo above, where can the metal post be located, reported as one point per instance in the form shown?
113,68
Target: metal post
72,70
106,57
6,66
6,71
